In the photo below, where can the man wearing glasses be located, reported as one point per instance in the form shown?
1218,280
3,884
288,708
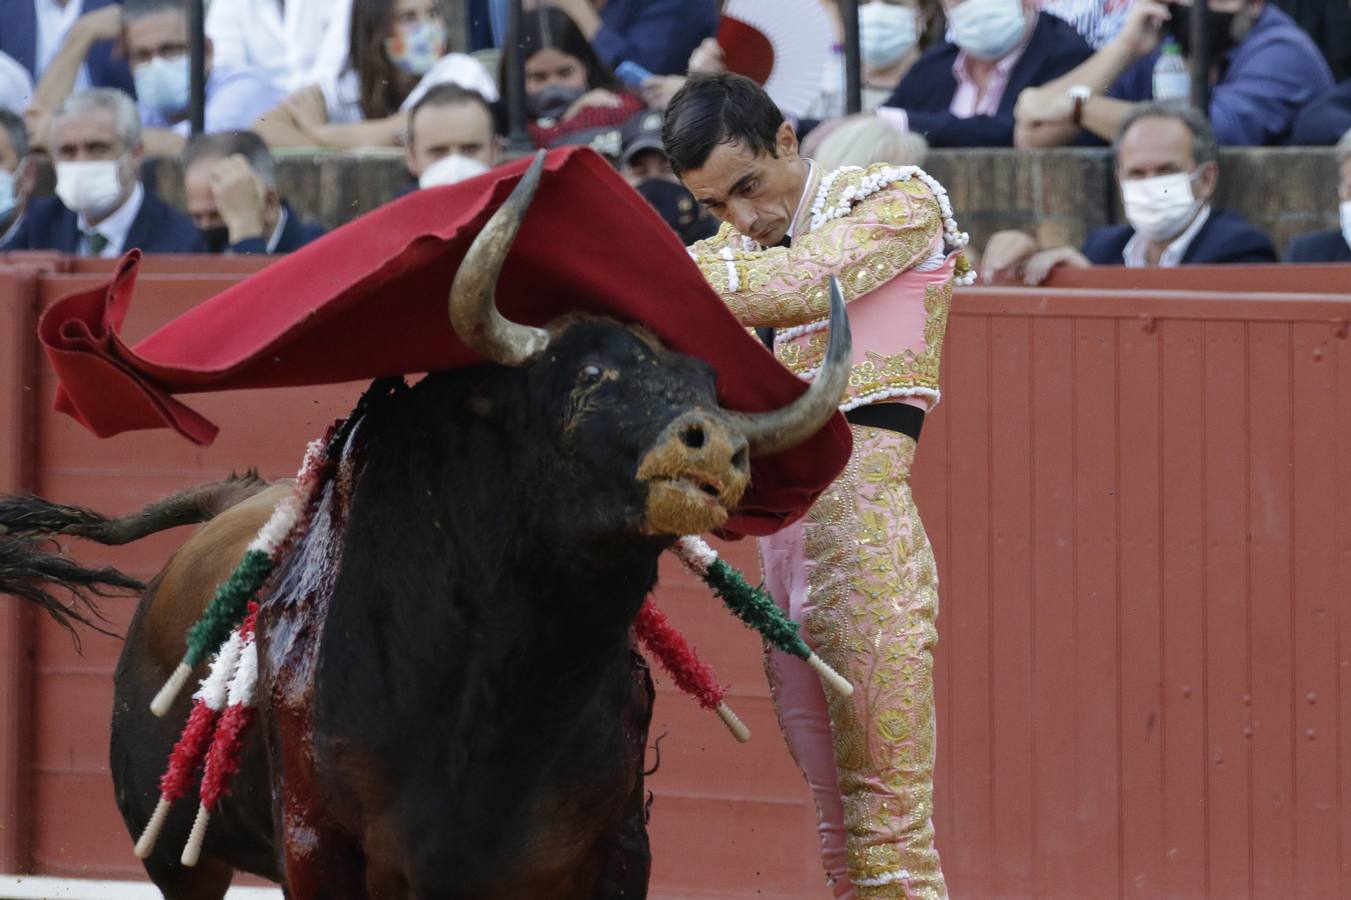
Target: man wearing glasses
154,34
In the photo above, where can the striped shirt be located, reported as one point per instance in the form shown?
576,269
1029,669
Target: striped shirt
1097,21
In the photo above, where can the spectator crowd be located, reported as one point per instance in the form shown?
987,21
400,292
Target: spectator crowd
98,87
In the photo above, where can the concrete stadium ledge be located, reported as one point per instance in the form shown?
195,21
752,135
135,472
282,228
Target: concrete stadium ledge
1060,195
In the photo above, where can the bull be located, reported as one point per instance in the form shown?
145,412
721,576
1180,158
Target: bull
456,712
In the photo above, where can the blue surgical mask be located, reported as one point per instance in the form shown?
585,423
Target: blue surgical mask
886,32
987,29
163,84
7,198
1345,211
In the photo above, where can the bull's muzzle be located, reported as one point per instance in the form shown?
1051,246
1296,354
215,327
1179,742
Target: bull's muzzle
696,472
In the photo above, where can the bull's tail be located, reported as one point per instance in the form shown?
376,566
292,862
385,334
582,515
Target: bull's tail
29,516
33,572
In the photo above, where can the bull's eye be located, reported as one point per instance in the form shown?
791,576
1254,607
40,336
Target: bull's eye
589,373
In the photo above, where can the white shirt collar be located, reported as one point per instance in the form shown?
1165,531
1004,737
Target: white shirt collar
801,201
273,241
1135,254
116,226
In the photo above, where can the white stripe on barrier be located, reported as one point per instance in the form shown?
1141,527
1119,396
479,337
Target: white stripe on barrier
37,887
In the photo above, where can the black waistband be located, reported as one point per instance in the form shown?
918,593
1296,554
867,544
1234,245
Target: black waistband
899,417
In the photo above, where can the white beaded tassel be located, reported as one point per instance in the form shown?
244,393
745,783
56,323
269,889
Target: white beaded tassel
146,845
733,723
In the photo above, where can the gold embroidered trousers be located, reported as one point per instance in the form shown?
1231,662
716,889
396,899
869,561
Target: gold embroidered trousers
859,574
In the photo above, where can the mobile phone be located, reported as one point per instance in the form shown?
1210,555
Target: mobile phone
631,73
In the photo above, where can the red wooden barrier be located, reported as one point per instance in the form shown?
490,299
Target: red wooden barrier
1141,505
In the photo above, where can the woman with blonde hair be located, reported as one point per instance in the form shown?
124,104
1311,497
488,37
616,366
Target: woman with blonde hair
862,142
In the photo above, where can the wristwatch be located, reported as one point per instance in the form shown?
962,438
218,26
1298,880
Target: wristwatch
1079,95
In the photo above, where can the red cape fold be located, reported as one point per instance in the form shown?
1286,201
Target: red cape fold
370,299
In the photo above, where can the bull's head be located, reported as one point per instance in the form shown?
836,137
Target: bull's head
620,398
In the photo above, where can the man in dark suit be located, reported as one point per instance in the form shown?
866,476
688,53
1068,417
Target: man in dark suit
230,181
1167,169
1333,245
101,208
961,93
34,46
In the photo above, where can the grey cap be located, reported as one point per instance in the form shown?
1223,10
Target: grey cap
641,132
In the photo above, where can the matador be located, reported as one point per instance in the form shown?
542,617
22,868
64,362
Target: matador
858,571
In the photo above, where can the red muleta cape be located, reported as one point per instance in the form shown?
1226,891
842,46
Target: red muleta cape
370,299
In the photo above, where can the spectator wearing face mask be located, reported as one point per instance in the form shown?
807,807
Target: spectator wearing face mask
891,37
395,47
15,175
100,208
155,34
1333,245
1167,169
961,92
230,183
450,137
1266,70
571,97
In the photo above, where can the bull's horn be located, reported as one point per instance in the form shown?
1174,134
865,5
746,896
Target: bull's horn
772,432
473,304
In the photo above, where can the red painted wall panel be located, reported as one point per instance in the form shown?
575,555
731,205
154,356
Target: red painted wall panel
1141,507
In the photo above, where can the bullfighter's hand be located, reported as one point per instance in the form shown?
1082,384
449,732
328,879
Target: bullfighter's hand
240,197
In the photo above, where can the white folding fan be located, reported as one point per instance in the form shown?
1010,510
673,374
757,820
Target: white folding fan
785,45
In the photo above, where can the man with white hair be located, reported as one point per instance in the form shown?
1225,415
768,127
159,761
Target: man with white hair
101,208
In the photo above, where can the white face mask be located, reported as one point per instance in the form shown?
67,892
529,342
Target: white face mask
987,29
92,188
8,200
1345,210
1161,207
449,170
163,84
886,32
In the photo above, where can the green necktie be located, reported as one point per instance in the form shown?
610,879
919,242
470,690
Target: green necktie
96,243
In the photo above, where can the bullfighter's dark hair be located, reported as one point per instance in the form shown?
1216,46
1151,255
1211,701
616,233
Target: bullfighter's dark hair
713,109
